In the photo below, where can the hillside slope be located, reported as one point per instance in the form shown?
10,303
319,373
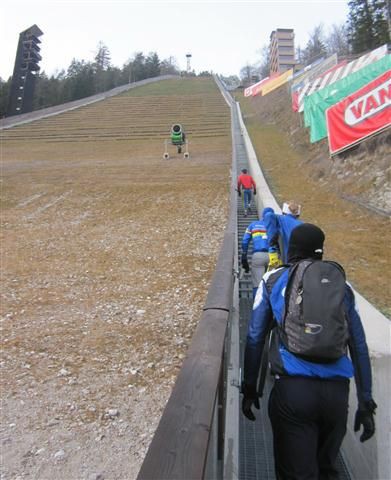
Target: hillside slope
361,174
349,197
107,253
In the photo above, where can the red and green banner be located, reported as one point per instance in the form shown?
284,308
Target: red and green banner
360,115
315,105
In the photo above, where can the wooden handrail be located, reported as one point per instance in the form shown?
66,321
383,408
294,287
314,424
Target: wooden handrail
179,448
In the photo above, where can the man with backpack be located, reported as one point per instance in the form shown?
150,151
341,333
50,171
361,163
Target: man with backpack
311,311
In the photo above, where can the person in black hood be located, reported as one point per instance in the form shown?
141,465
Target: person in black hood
308,405
306,241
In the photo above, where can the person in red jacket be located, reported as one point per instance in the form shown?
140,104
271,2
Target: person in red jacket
247,185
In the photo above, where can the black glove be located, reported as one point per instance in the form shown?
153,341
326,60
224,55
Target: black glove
239,193
364,417
250,397
255,191
245,264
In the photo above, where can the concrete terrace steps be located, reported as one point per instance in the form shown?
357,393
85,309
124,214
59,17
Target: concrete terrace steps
98,125
101,135
127,117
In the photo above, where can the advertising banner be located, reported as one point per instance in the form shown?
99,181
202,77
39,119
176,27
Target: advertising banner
317,84
277,82
249,90
258,88
295,101
342,71
315,105
268,84
254,89
360,115
312,71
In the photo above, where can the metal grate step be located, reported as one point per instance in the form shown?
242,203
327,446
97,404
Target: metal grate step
256,460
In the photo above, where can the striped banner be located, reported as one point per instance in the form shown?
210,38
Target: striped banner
249,91
320,80
310,72
338,73
306,76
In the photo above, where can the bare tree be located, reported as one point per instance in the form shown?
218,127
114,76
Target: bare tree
299,54
264,66
169,66
337,40
249,74
315,47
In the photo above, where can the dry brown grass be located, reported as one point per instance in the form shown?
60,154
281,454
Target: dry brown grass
107,253
356,237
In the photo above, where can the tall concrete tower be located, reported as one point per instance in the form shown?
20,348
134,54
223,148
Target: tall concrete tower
188,56
25,70
282,50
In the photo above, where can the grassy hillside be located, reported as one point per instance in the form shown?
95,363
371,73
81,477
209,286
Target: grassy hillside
144,113
356,236
107,253
181,86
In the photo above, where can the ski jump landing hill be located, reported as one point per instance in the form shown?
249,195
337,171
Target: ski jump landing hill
206,362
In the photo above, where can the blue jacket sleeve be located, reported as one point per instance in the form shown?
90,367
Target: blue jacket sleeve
271,225
358,350
246,239
258,329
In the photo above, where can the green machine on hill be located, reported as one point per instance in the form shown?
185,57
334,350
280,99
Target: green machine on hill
178,139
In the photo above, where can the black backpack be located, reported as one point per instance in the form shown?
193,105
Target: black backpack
314,325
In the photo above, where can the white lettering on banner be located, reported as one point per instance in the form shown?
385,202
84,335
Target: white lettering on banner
369,104
248,91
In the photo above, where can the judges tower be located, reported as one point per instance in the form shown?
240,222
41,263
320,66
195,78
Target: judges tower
25,70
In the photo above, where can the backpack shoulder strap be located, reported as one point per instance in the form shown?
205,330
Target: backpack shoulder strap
336,264
292,271
270,282
272,279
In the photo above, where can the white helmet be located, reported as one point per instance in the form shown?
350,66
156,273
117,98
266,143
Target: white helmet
291,208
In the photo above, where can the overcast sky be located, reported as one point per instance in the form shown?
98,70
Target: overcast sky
222,36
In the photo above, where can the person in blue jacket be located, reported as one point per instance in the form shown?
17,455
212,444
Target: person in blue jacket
308,404
279,227
256,232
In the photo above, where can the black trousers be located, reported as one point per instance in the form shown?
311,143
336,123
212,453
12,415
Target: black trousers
308,418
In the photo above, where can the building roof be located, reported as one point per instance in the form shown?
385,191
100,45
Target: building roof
33,30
